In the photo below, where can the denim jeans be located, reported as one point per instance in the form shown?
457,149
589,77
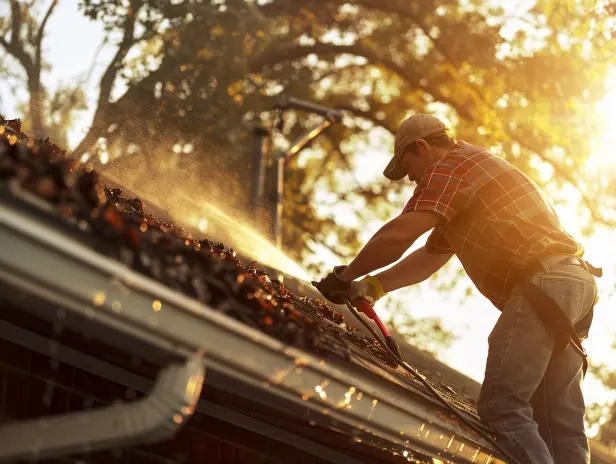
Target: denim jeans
531,396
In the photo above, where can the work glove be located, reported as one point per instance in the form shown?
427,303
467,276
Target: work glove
369,288
333,287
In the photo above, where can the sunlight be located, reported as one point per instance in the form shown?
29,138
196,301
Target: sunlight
602,155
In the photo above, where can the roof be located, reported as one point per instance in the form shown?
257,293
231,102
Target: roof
157,291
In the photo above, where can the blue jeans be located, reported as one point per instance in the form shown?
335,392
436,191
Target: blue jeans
532,397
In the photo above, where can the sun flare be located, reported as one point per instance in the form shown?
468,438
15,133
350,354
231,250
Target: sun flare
603,144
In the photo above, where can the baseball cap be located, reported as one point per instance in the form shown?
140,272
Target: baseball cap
418,126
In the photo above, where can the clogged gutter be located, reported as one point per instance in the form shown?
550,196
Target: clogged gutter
207,271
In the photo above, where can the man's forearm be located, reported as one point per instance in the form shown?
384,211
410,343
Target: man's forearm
379,252
390,242
415,268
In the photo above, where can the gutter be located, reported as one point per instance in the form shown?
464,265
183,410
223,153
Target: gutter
38,259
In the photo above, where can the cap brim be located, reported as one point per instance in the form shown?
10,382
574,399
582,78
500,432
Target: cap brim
395,170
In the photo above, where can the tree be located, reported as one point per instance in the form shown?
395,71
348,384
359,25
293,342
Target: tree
196,72
22,38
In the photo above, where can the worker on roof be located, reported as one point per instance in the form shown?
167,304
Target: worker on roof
517,253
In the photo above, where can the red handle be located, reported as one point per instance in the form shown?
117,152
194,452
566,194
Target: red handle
364,307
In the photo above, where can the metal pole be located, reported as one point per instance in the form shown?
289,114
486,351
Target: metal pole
280,165
331,116
258,168
281,159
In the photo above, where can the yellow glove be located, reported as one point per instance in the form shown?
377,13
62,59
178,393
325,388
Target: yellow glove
369,288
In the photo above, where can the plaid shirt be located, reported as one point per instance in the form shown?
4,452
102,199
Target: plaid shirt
495,219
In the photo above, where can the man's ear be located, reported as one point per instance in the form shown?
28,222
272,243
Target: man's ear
422,146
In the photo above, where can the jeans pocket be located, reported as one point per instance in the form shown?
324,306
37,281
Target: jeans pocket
572,294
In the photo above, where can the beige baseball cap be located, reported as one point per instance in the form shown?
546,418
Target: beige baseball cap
416,127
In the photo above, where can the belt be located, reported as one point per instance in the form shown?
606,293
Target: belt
538,267
550,314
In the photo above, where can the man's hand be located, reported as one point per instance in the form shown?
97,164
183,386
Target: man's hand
369,288
333,287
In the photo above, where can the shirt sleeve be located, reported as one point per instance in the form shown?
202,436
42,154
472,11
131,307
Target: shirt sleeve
437,244
441,190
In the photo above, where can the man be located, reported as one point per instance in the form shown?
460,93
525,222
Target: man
513,247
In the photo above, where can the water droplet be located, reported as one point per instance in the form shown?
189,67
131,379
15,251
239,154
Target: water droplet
177,418
99,299
116,307
187,410
157,305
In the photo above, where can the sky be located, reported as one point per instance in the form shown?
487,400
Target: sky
70,43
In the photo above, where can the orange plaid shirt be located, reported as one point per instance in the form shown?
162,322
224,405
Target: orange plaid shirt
495,218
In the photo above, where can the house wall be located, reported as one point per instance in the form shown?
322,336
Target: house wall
33,385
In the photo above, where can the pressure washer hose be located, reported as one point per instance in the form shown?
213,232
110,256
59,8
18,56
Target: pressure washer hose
415,373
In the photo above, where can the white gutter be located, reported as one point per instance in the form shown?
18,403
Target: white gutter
38,259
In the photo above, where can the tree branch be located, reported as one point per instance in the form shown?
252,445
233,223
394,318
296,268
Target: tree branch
14,46
31,65
108,79
369,116
39,35
15,21
295,51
